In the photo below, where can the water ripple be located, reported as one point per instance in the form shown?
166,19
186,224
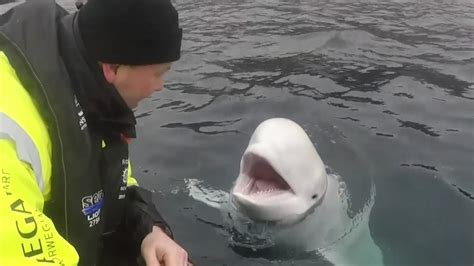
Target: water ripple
198,127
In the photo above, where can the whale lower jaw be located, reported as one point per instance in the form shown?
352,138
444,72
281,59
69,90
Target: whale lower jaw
282,207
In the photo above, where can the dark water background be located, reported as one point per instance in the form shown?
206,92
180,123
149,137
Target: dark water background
380,85
390,81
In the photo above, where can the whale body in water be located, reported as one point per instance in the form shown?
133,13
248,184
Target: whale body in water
284,195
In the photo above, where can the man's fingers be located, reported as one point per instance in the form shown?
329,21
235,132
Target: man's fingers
185,258
150,258
158,249
170,260
190,262
179,258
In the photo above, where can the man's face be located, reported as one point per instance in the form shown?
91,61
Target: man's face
135,83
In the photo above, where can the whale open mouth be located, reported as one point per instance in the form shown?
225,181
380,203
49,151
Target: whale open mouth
260,179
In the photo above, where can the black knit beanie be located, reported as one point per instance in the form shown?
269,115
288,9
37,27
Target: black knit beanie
130,32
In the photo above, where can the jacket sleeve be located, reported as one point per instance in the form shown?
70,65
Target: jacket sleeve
27,236
140,213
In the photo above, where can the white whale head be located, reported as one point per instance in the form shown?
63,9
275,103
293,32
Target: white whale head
282,177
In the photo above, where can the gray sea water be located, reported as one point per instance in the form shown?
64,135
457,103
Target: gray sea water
383,88
382,85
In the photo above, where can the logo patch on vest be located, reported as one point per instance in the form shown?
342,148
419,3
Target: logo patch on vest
80,114
91,206
123,187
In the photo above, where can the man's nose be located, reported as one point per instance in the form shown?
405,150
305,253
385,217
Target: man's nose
160,86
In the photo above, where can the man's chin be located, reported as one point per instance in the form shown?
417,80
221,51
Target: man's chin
132,105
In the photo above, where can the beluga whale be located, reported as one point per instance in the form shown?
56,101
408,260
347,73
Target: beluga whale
282,178
286,198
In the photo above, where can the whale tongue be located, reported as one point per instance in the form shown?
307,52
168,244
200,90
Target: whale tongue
265,178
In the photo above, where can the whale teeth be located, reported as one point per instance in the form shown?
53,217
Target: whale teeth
269,190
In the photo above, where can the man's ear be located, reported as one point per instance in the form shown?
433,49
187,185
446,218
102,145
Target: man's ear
110,71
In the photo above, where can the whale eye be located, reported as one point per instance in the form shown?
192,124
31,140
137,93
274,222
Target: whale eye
314,196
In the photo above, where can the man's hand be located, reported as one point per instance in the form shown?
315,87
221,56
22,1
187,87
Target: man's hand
160,250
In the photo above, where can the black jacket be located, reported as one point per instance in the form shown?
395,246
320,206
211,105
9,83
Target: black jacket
91,205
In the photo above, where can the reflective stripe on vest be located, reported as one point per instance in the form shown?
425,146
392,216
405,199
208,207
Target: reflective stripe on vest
25,147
